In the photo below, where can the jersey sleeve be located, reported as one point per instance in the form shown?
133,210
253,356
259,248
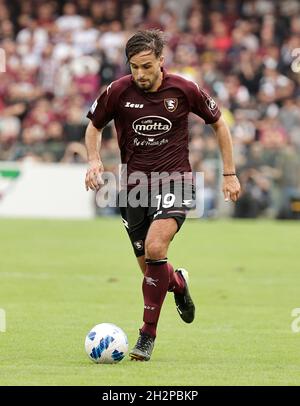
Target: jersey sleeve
102,111
202,104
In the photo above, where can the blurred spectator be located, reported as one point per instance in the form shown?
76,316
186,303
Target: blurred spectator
255,197
70,20
60,55
289,182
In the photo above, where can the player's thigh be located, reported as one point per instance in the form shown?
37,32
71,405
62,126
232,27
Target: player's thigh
160,233
137,223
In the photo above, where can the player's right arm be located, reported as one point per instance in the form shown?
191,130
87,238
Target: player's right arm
100,113
93,178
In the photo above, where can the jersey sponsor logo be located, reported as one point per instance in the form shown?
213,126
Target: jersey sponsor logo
150,142
151,126
171,104
134,105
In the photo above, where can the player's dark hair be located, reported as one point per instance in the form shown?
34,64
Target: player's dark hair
145,40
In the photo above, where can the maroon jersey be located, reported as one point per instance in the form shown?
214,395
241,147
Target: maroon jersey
152,127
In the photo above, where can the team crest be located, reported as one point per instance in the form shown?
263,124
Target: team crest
171,104
139,245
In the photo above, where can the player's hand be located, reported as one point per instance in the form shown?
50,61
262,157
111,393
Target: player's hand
231,188
93,179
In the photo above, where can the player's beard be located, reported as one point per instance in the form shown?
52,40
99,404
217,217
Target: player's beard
148,84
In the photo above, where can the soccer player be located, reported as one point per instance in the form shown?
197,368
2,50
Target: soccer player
150,109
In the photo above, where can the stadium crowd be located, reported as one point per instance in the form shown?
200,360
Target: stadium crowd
60,54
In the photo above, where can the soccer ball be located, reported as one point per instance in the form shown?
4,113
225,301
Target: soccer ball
106,343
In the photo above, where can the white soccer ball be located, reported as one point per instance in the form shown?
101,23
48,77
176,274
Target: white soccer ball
106,343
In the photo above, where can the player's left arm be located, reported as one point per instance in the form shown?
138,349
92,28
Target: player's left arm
231,185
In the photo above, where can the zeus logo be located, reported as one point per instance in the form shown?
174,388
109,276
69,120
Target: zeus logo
134,105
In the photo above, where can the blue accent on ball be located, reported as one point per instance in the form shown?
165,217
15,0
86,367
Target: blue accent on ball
92,335
117,356
103,345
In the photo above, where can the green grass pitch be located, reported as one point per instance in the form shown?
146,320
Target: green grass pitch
60,278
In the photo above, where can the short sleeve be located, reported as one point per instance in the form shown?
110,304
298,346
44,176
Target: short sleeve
203,104
102,110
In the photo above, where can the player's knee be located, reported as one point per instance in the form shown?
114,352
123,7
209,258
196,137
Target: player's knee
155,250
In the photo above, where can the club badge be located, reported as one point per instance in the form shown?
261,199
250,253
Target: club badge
171,104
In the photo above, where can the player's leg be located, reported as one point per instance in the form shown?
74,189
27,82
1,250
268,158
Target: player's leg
136,223
174,282
159,236
142,263
159,270
155,283
159,277
174,203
